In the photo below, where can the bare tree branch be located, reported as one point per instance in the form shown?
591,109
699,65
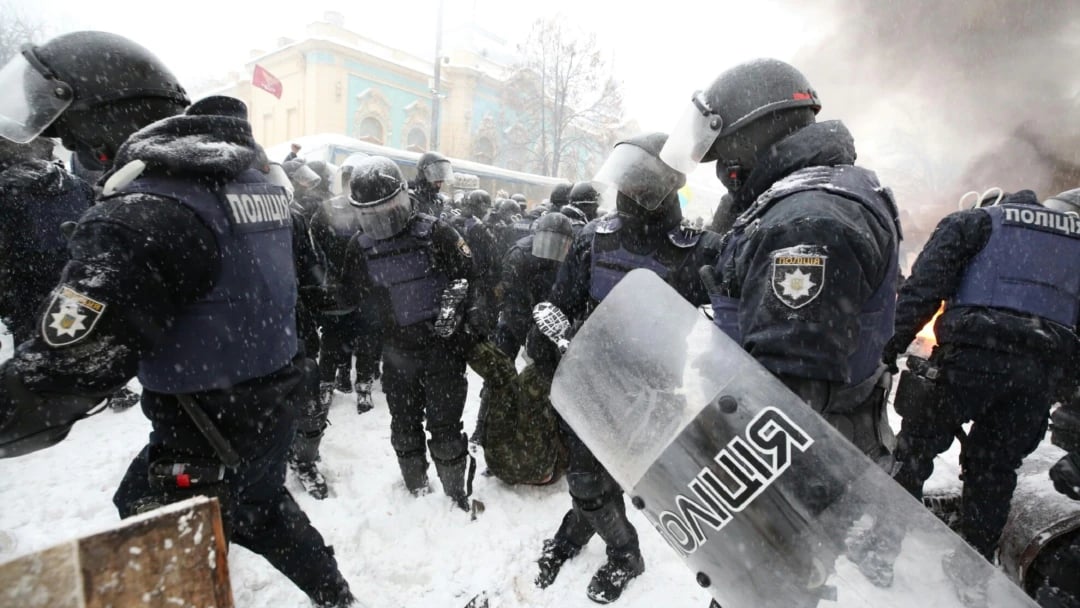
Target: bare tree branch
16,29
564,99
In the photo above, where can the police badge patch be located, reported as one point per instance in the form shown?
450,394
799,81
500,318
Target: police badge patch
798,274
463,247
70,317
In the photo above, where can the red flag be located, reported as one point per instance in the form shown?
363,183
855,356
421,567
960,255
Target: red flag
266,81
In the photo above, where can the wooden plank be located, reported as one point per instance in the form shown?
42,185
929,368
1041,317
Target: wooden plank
173,557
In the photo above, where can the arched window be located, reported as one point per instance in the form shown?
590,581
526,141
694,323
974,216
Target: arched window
371,130
417,140
483,151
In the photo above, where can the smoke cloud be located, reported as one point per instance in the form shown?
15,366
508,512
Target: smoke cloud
947,97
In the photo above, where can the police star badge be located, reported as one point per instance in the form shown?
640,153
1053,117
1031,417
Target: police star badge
798,274
70,317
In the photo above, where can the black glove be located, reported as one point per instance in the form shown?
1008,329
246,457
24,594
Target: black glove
889,359
891,353
1066,475
708,278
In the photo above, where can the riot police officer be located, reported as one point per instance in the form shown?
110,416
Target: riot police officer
172,277
432,170
806,280
346,332
1007,276
529,270
560,195
501,222
420,267
475,206
646,232
583,204
38,196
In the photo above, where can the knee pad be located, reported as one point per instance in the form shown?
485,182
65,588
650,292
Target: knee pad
407,442
449,449
591,490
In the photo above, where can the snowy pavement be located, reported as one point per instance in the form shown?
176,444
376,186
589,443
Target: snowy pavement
395,550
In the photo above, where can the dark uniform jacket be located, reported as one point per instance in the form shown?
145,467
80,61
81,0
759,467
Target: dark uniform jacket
139,262
36,198
440,254
526,281
626,242
942,267
802,268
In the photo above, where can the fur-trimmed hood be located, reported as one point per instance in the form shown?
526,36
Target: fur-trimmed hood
196,143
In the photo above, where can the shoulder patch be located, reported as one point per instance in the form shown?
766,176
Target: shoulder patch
463,247
70,317
798,274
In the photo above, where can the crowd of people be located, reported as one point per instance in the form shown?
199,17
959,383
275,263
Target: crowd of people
243,294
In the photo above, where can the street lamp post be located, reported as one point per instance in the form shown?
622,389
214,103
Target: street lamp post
436,90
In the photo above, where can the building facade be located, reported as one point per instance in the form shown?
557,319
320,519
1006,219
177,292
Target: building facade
337,81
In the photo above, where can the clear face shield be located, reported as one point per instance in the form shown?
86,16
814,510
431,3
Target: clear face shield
441,171
638,175
693,135
31,101
385,217
305,178
551,245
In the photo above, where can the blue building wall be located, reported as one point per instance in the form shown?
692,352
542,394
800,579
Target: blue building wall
399,91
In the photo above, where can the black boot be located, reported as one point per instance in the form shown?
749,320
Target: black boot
303,454
343,379
326,393
609,582
624,557
574,532
363,396
456,477
123,399
556,553
414,472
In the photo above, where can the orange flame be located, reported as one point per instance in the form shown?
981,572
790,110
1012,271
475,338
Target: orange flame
926,334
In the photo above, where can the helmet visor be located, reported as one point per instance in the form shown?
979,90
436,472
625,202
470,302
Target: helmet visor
638,175
693,135
551,245
440,171
30,102
386,217
306,177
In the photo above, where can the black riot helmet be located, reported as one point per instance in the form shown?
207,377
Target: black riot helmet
552,236
433,169
1066,202
520,198
747,108
89,89
324,171
585,197
379,191
346,169
476,203
303,178
508,210
560,195
641,183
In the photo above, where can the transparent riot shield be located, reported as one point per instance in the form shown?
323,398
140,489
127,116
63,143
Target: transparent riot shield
767,504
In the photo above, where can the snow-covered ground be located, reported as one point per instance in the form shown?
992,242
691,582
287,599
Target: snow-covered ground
395,550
